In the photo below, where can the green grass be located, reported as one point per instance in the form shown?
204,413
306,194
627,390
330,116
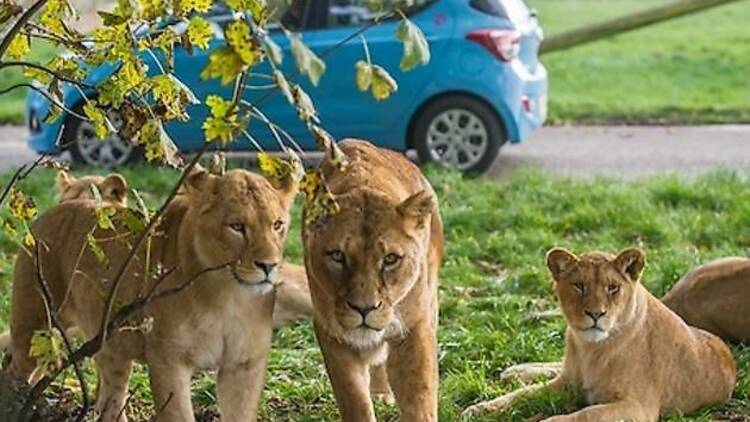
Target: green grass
11,104
485,308
688,70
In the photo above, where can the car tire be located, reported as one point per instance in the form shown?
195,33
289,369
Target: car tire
460,132
86,148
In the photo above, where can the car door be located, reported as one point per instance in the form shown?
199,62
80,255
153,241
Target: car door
347,112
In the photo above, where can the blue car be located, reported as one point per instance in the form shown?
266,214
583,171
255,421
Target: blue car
483,86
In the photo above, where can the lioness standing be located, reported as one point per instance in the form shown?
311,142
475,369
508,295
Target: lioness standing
373,273
237,224
628,355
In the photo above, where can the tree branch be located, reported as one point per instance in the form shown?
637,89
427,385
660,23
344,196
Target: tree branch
47,96
25,17
42,68
55,319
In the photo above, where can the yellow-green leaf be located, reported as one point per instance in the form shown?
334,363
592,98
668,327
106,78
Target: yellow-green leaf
19,47
242,42
200,6
47,349
326,143
416,48
383,85
22,207
363,75
223,63
319,201
274,167
218,106
96,249
158,144
8,9
98,118
199,32
308,62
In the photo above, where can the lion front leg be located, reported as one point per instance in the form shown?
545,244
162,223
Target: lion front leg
170,384
413,372
239,388
506,401
349,379
623,410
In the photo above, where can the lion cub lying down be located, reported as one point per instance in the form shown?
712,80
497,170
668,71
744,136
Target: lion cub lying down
626,353
236,224
703,296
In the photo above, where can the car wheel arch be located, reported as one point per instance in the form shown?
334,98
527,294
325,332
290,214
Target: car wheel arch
503,117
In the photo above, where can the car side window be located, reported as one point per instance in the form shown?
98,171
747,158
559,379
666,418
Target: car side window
343,13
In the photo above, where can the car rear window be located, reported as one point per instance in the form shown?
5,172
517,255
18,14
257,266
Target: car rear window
513,10
341,13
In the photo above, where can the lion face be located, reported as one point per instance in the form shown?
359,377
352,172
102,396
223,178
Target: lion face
240,219
365,259
112,188
596,290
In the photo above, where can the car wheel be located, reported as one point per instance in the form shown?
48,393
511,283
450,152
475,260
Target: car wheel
459,132
86,148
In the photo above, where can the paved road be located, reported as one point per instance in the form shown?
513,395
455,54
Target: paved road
623,151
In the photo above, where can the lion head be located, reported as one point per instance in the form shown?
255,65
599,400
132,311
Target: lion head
238,218
112,188
596,290
363,261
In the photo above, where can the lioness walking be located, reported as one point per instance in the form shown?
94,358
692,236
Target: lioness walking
236,224
626,353
373,273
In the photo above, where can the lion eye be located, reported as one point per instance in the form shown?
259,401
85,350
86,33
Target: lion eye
336,255
579,287
612,289
278,225
238,227
391,259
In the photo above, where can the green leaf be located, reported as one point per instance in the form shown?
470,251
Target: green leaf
199,32
200,6
47,349
158,144
363,75
308,62
19,47
416,48
223,63
383,85
97,116
97,250
239,37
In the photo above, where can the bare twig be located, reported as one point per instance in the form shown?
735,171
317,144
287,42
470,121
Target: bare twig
25,17
20,173
46,95
59,76
55,319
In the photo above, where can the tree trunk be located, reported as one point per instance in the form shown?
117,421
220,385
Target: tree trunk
12,397
626,23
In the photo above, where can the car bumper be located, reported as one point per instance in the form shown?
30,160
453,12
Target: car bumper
531,106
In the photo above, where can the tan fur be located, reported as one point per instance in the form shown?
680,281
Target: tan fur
113,187
387,206
636,361
710,296
223,320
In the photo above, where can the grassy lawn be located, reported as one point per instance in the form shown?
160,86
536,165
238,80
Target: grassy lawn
494,278
11,104
688,70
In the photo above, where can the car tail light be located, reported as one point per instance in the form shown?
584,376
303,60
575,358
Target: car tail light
527,104
502,43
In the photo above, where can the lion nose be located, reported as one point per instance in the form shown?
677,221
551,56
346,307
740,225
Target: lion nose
364,309
595,315
267,267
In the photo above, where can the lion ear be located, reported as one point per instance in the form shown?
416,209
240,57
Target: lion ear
417,207
200,182
64,180
115,188
560,261
631,262
286,187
